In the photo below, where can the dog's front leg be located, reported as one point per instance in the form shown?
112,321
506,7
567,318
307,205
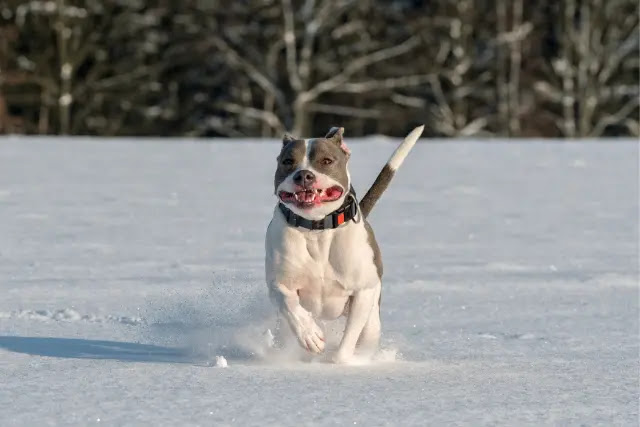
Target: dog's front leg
309,334
361,305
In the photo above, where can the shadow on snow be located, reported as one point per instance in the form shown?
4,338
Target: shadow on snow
71,348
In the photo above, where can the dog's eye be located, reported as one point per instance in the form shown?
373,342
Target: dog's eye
327,161
287,162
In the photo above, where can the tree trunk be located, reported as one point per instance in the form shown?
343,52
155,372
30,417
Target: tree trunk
567,71
502,86
302,122
4,115
514,75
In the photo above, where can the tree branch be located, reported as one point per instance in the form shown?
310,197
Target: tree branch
356,65
617,117
384,84
342,110
252,72
290,45
266,116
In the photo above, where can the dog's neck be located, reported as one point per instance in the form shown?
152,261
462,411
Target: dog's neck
346,212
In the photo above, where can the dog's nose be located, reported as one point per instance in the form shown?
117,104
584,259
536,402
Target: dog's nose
304,177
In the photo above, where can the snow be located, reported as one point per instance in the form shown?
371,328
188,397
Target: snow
221,362
131,269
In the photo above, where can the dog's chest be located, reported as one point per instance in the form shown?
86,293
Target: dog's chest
342,259
325,267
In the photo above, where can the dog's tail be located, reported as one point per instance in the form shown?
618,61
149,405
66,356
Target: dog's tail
386,174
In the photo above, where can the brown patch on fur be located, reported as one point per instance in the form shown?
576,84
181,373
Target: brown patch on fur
335,132
377,256
379,186
287,138
293,150
335,136
324,149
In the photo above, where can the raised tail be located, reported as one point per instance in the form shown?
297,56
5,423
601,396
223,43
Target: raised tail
388,171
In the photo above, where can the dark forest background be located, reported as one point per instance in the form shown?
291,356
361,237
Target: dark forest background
509,68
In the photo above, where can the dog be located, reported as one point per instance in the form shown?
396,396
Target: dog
322,259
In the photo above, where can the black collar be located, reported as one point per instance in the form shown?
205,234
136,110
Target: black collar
345,213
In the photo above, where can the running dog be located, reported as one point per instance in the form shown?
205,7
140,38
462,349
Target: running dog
322,259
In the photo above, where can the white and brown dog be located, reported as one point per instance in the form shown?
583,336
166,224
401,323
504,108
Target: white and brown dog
322,259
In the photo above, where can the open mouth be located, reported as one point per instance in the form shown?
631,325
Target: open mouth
309,198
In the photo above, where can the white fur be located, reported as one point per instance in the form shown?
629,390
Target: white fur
403,149
307,152
312,274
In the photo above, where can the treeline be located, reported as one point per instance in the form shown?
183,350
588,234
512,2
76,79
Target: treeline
556,68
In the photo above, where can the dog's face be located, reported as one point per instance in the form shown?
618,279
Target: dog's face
312,178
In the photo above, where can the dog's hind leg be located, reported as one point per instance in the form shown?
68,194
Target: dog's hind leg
370,336
362,305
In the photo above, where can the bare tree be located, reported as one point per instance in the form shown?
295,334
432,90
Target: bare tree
591,83
509,49
461,78
8,123
91,68
321,55
259,67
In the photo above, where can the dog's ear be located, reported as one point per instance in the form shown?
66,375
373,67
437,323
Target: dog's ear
287,138
336,133
335,136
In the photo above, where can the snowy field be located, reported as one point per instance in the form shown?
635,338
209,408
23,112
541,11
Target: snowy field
510,294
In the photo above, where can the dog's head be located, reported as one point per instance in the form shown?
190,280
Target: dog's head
312,178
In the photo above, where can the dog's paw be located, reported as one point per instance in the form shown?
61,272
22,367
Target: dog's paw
342,358
310,335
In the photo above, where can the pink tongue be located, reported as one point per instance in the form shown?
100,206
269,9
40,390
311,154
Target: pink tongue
332,194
